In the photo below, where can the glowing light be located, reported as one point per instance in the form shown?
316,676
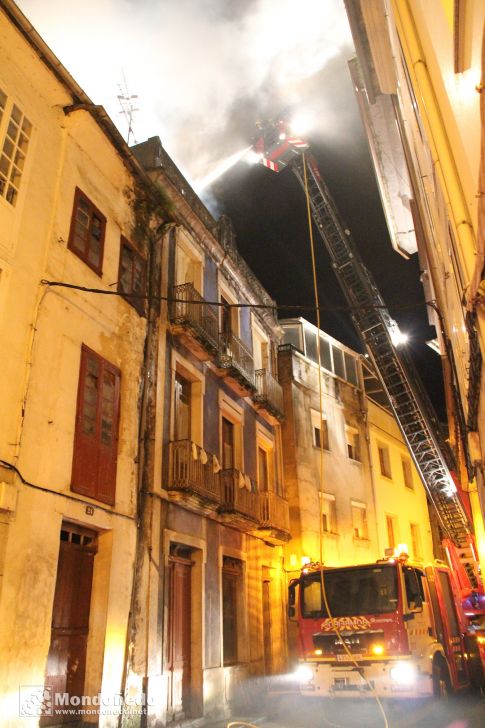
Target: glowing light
305,560
282,136
398,337
304,673
377,649
320,652
293,560
403,673
301,124
221,168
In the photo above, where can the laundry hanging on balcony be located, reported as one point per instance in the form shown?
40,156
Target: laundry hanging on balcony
195,451
203,456
215,464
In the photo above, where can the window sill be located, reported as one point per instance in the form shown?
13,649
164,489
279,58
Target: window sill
332,534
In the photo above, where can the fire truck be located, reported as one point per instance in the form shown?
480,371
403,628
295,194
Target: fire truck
394,628
431,619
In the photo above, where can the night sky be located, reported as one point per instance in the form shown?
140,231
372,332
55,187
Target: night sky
268,211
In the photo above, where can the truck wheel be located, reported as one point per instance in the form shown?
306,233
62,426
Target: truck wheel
441,680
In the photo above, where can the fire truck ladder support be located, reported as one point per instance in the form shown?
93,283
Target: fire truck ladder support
411,407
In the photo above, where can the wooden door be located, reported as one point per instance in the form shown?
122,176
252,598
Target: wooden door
179,634
66,661
268,667
227,444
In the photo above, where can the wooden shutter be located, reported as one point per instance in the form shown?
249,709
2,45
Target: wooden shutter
96,434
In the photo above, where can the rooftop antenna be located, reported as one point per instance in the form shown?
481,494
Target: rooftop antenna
127,107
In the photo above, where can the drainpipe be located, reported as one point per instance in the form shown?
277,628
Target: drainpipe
440,146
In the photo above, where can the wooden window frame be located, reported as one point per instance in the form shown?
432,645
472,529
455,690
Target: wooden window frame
331,515
93,211
363,521
94,464
384,460
407,472
138,303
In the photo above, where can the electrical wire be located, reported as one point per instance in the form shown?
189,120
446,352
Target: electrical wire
198,302
321,567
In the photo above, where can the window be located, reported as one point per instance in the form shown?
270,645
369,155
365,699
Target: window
359,520
407,471
96,433
329,513
14,149
319,431
231,433
232,583
391,526
132,275
384,460
353,442
416,541
86,238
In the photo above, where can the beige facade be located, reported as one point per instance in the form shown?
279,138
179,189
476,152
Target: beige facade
49,151
418,78
352,487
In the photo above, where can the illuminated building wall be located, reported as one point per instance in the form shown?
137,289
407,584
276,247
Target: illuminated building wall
352,488
418,77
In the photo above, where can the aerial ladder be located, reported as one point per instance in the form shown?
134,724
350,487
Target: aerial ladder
277,148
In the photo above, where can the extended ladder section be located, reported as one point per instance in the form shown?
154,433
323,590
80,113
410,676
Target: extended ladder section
411,406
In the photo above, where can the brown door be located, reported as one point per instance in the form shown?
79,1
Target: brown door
66,662
267,626
227,444
179,633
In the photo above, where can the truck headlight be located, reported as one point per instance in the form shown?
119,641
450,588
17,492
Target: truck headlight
304,673
403,673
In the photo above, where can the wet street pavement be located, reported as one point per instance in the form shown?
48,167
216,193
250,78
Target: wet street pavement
291,711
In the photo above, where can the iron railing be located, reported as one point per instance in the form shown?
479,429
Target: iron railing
192,470
236,498
233,353
274,512
268,390
190,309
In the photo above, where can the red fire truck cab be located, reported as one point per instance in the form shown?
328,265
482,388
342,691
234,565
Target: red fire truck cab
394,628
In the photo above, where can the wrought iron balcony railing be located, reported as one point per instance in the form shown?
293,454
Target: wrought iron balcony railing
274,512
236,497
269,392
234,354
193,471
190,310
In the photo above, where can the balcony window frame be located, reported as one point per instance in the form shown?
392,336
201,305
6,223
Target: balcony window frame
16,131
181,367
231,411
93,212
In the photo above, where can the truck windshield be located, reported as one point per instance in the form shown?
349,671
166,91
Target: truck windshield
350,592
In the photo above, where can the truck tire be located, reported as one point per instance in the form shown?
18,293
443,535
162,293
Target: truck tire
441,679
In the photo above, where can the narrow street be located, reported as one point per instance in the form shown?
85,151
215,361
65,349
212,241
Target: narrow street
290,711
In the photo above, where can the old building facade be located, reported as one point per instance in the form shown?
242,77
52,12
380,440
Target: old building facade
71,382
352,487
222,515
419,82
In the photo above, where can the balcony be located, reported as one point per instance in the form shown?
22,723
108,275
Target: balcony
235,364
193,476
194,321
268,397
239,504
274,518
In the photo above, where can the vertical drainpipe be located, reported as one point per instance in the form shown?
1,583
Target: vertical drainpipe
140,603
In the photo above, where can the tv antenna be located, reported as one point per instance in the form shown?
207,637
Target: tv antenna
127,103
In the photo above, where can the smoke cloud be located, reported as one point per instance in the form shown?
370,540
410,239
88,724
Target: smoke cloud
203,70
